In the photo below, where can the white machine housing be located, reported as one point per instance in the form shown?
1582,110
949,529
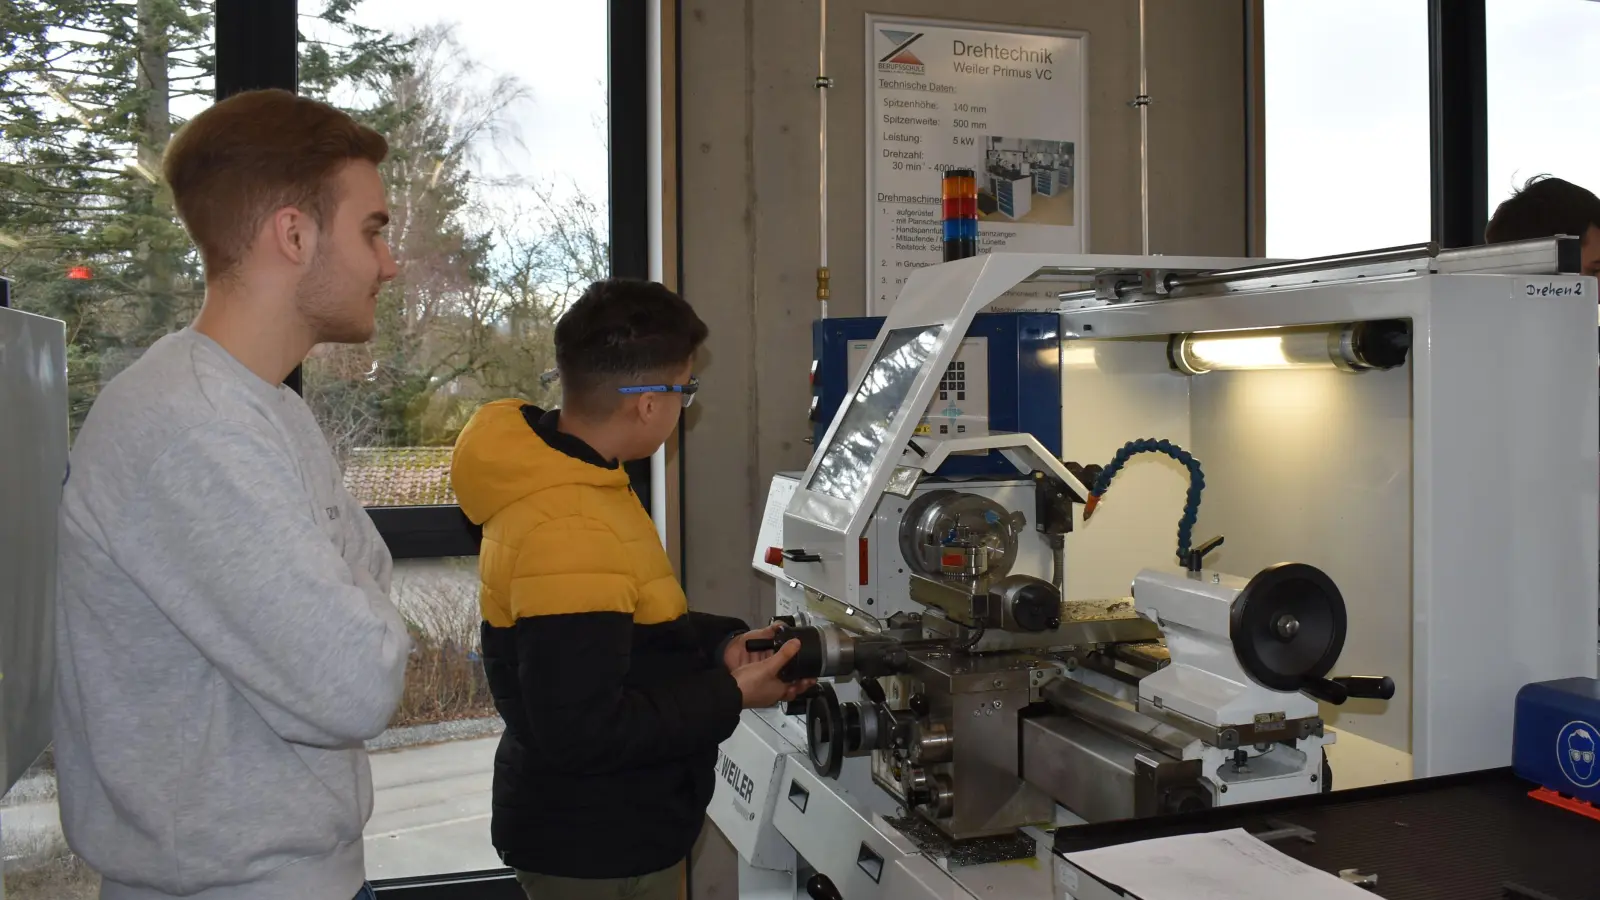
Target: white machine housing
884,582
1492,421
1454,500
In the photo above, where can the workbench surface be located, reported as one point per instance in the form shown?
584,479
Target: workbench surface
1460,837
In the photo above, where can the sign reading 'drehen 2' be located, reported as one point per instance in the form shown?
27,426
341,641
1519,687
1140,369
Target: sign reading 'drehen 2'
1009,104
1554,287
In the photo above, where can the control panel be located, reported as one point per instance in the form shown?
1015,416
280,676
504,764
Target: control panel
1005,377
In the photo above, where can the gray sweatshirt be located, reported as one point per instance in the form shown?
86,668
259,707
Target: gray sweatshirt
224,636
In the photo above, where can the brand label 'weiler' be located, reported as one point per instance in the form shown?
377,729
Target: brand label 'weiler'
735,777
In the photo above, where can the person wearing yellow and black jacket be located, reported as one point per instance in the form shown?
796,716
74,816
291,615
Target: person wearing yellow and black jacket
614,695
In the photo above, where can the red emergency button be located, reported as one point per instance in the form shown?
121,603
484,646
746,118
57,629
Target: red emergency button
775,556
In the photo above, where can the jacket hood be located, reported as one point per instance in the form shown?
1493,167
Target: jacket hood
499,459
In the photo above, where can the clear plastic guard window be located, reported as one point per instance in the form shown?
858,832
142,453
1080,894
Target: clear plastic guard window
846,466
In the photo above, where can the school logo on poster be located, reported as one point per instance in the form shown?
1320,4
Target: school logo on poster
899,58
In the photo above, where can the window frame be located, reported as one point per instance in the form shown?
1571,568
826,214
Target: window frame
1458,58
491,884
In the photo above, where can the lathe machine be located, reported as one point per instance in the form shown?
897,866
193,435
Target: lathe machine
1380,465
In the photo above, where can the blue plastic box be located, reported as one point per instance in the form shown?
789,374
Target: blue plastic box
1556,738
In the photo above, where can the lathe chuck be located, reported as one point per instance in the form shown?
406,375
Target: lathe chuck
956,533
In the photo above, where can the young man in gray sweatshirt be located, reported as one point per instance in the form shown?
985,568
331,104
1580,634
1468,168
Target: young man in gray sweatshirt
225,638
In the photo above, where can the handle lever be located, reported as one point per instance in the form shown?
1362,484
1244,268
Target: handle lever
1368,687
1361,687
1197,555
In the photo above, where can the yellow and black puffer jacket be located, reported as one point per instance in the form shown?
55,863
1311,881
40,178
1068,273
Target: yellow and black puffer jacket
614,694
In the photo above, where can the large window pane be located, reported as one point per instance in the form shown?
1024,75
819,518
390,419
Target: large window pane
90,93
1347,140
432,771
1542,90
497,180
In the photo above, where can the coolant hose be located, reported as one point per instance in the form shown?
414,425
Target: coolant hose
1191,505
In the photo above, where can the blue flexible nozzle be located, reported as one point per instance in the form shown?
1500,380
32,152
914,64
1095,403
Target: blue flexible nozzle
1191,505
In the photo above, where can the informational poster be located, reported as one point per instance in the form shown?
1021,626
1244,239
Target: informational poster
1007,103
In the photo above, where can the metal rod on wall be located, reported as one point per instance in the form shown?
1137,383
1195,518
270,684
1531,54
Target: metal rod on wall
1143,103
823,82
654,140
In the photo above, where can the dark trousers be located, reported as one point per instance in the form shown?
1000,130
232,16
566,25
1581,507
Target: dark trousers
664,885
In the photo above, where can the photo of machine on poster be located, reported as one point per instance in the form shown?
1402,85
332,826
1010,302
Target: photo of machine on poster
1027,180
1009,104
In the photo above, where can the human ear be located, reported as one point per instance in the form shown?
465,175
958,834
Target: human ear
649,407
294,235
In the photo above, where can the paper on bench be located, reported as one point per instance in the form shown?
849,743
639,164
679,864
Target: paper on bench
1221,865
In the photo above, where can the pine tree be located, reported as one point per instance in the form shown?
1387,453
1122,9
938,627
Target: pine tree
90,93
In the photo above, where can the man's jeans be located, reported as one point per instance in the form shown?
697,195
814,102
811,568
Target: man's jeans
366,893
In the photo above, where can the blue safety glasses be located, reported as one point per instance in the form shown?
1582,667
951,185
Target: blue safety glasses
687,390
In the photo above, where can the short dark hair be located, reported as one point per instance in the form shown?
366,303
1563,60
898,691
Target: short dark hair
622,331
1545,207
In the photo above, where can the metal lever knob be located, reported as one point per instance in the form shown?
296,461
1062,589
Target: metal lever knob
821,887
1368,687
1361,687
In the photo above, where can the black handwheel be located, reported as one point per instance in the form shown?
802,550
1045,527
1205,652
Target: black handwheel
1288,626
825,732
